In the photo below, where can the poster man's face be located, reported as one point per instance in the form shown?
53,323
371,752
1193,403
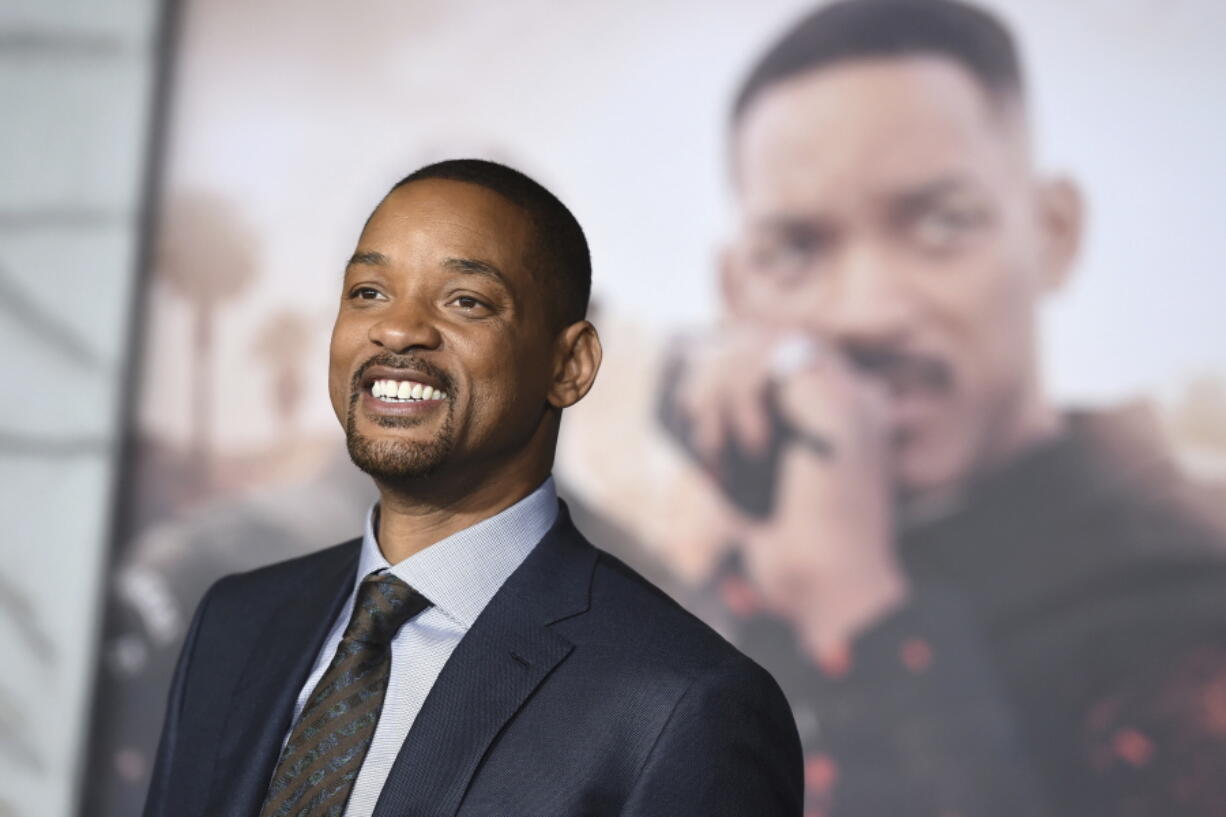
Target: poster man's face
441,350
889,209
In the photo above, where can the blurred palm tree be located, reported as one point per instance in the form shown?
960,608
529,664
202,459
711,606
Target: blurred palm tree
206,255
279,344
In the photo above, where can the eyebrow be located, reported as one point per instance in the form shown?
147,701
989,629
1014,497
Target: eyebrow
370,257
787,223
475,266
468,266
918,198
906,201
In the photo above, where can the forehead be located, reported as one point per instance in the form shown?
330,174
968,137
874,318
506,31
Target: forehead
434,218
868,127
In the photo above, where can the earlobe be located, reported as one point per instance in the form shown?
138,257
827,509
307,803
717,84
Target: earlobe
577,359
1062,218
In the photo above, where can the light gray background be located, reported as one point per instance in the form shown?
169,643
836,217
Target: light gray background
74,102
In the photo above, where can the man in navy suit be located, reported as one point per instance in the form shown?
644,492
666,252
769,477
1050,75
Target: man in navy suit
472,653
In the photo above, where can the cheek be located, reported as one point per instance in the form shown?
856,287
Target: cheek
1008,291
511,380
482,370
768,302
337,395
984,303
1003,319
340,369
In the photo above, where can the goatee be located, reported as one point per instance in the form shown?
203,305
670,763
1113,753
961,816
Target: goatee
399,460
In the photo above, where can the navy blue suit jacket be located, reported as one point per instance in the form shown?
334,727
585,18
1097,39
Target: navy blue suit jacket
580,690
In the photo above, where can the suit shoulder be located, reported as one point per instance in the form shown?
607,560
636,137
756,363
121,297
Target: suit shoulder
628,606
288,574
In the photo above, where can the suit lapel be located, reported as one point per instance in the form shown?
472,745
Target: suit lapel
262,705
495,668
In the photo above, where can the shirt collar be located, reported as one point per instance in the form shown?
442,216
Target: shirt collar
460,574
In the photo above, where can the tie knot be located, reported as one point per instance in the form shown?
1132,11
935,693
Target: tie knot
383,603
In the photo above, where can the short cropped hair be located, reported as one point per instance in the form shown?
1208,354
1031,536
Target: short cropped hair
866,29
559,251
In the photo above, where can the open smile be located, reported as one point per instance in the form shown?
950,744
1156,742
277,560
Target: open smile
392,391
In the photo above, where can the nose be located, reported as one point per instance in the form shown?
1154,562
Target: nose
867,304
408,326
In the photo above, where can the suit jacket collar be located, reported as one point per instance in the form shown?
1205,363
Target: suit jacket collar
507,653
504,656
262,704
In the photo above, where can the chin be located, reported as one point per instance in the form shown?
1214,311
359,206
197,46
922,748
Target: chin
396,460
929,467
397,457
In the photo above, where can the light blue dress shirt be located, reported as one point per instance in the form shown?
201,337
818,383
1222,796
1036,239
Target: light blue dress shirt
459,575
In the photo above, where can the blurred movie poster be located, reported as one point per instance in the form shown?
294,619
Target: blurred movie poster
914,379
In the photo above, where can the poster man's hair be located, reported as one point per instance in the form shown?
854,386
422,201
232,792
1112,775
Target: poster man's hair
868,29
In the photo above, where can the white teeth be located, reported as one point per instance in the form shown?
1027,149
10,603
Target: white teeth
399,390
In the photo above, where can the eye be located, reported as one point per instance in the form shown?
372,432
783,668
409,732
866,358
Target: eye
470,304
799,248
945,228
365,293
788,255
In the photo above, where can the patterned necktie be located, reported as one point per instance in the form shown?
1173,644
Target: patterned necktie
326,748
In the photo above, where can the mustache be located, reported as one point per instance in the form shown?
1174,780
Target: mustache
901,371
395,361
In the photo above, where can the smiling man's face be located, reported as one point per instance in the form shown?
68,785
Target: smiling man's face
441,352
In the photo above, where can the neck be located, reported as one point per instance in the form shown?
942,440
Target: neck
1033,423
415,515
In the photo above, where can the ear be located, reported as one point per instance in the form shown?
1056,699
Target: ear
1061,222
576,359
